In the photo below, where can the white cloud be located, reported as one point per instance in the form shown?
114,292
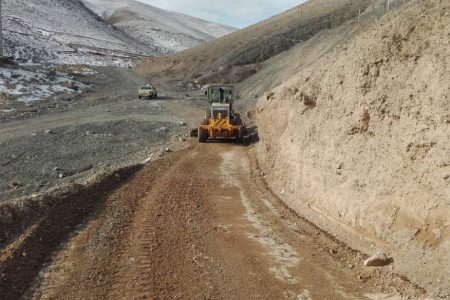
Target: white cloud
238,13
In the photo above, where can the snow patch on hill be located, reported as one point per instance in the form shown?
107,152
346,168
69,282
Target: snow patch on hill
64,32
168,31
34,85
67,32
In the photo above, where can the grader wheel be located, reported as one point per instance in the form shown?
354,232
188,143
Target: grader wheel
203,133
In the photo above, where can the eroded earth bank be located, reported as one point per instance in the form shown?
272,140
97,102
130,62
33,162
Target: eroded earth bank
359,142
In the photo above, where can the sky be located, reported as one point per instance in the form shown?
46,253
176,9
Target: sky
236,13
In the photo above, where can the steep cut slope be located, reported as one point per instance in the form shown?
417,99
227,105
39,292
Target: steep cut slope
168,31
359,141
63,31
283,66
237,56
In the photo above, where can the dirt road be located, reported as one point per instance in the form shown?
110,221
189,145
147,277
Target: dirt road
100,131
198,223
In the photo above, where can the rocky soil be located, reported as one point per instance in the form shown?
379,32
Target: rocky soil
345,194
358,142
47,147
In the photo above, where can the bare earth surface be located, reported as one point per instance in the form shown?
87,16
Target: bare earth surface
198,223
102,130
194,223
359,142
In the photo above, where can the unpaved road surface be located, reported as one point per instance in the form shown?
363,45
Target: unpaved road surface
196,224
99,131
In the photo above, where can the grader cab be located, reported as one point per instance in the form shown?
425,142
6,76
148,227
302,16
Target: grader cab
221,122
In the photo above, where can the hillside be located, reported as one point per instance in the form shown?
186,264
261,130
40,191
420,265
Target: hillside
282,67
64,32
358,140
237,56
167,31
68,32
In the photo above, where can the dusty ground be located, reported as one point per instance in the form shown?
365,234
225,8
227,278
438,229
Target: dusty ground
102,130
198,223
56,149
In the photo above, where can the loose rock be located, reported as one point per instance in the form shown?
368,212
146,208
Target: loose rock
377,260
14,184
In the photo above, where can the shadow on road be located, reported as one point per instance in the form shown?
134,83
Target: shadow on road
161,98
252,136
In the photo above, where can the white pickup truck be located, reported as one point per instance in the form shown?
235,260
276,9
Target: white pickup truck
147,91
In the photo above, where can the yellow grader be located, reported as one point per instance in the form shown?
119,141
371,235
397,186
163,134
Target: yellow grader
221,122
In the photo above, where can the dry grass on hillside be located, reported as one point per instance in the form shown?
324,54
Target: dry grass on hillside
237,56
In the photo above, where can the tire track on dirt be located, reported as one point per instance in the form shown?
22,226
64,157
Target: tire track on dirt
198,223
148,241
88,266
20,261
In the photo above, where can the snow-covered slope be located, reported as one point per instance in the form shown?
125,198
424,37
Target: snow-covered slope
64,31
72,31
169,31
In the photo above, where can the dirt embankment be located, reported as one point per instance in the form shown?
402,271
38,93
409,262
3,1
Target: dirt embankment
40,226
237,56
359,141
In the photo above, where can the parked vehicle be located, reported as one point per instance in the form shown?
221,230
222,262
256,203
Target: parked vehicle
147,91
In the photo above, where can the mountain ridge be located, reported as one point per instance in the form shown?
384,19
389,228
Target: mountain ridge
169,31
70,32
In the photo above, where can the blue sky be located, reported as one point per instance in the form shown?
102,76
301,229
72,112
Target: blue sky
237,13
